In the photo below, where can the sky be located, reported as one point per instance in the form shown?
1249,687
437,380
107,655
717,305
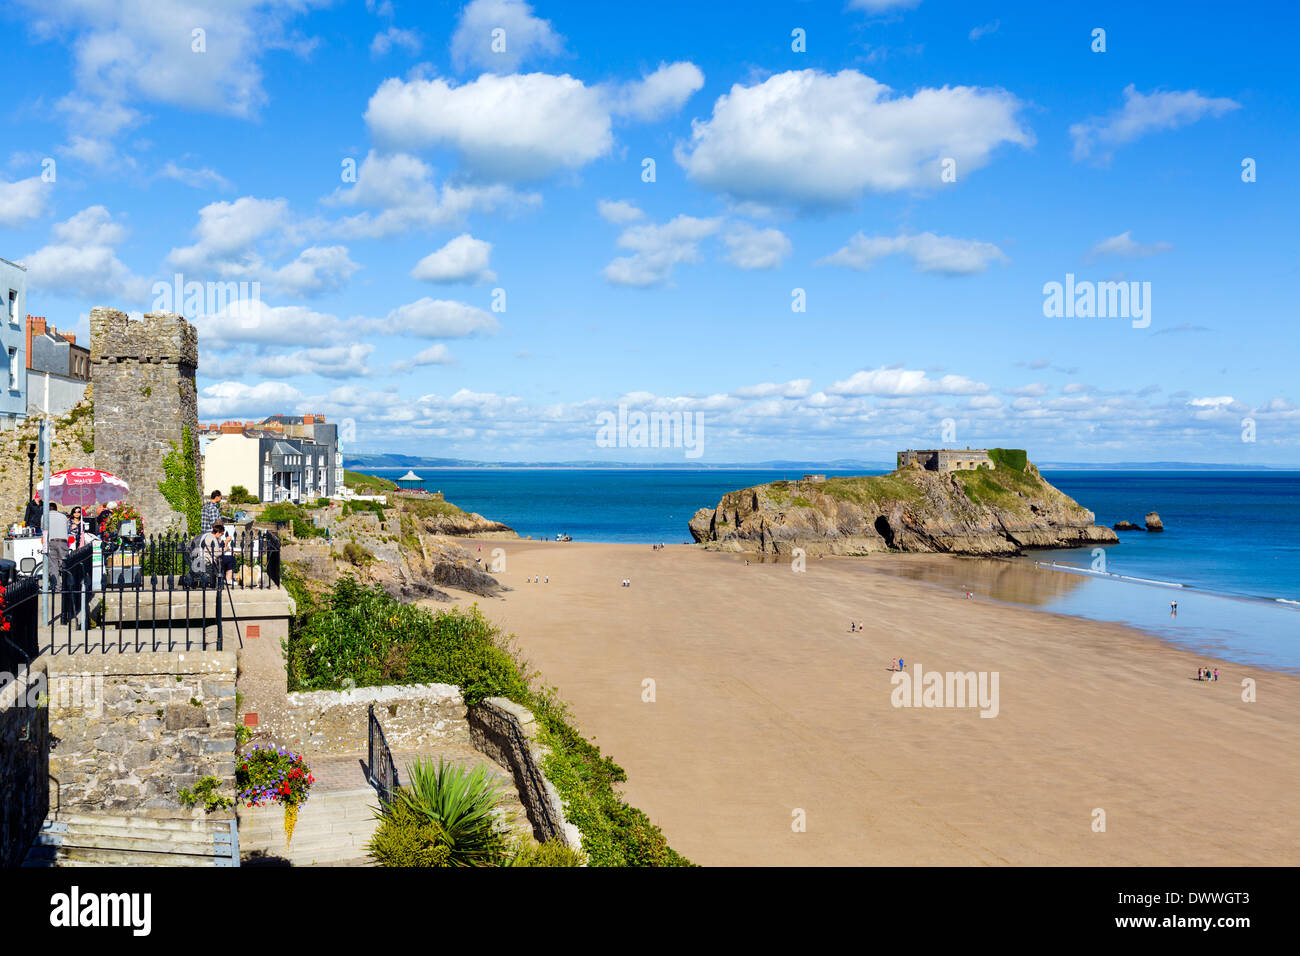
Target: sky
815,230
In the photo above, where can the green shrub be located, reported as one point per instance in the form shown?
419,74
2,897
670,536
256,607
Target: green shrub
322,502
205,792
358,556
1013,458
363,507
295,516
239,496
444,808
550,853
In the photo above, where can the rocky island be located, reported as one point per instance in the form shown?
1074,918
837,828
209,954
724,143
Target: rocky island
982,502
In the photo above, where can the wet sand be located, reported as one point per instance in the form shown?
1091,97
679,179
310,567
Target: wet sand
766,704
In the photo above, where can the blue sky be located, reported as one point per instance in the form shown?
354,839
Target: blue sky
223,156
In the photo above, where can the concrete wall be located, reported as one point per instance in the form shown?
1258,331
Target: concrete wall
130,730
64,393
24,769
143,373
228,460
413,716
506,732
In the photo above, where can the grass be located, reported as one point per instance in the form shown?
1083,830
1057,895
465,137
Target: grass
367,484
360,634
999,488
873,490
428,507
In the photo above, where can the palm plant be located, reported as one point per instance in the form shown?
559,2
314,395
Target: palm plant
463,805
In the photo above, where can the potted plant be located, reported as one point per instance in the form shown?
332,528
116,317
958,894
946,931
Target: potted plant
268,775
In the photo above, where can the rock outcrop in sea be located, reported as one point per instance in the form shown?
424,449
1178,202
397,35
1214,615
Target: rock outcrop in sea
1153,522
984,511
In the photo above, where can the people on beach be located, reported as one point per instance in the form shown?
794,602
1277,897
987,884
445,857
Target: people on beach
853,626
1200,673
1216,673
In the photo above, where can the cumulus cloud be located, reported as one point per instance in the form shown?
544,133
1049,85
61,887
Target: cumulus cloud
517,127
82,260
463,259
809,138
1125,247
905,382
929,253
317,270
23,200
657,248
659,93
436,319
434,355
253,322
401,191
1144,113
240,400
619,211
752,248
335,361
523,37
227,233
795,388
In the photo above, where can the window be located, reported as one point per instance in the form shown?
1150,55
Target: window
13,304
13,366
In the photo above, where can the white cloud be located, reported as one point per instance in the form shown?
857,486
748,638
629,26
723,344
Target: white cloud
227,233
236,399
204,178
751,248
463,259
657,248
1123,245
619,211
82,261
662,92
985,29
401,187
883,6
526,37
518,127
383,43
1214,402
905,382
23,200
253,322
317,270
434,355
335,361
815,139
1144,113
928,252
796,388
436,319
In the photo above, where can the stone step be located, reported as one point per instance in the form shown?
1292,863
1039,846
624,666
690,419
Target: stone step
117,841
97,856
178,824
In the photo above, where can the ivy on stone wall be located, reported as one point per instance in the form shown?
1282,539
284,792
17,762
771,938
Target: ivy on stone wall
180,487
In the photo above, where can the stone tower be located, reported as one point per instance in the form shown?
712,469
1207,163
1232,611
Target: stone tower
145,396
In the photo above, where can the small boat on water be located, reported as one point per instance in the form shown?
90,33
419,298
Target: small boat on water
563,537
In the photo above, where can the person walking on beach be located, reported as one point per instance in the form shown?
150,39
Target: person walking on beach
853,626
1200,673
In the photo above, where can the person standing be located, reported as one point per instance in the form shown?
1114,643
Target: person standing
56,544
211,513
32,516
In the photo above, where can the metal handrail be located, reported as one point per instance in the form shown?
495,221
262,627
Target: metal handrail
380,769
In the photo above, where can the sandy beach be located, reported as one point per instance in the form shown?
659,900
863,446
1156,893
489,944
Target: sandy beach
766,704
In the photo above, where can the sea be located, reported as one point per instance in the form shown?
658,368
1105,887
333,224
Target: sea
1229,555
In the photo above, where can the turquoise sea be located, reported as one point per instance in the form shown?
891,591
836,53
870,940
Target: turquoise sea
1229,555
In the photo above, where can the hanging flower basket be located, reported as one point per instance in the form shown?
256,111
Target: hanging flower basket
270,775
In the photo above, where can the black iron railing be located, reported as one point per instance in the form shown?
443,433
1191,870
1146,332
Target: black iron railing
379,765
160,593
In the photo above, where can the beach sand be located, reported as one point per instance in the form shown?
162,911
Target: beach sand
766,704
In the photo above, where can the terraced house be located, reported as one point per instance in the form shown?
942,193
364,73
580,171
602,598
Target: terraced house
281,458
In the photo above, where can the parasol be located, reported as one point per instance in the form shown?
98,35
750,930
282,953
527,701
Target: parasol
86,487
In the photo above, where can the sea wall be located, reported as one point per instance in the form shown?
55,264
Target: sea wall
506,732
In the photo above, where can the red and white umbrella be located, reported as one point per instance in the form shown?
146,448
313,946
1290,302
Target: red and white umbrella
86,487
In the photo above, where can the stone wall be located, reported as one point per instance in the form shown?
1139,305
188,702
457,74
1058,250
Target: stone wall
143,375
506,732
413,716
24,770
129,730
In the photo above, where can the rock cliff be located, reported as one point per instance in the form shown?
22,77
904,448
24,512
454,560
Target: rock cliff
982,512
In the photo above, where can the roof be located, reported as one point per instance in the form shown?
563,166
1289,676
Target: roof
410,476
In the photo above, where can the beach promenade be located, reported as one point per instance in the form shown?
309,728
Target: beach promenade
766,706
